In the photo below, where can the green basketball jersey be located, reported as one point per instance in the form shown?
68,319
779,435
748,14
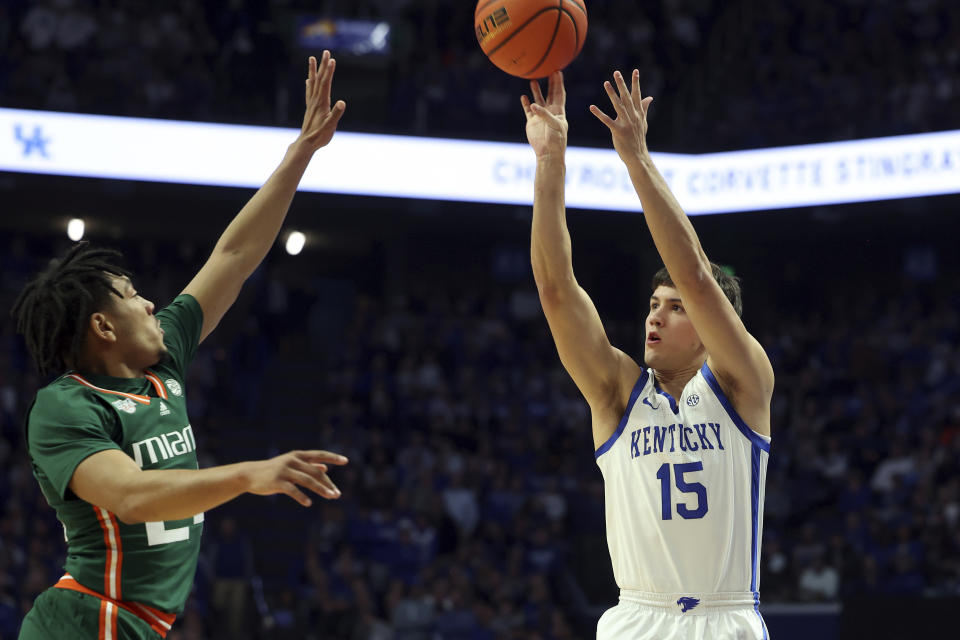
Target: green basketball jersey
80,414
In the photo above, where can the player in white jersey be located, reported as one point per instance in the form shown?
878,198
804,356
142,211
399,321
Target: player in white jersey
683,443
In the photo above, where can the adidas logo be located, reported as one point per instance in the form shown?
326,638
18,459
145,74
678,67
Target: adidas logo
164,410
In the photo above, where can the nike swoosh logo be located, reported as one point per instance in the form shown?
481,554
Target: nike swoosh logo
647,402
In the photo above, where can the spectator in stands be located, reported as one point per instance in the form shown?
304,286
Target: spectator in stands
819,581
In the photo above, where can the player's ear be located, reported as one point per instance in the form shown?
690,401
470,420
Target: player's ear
102,328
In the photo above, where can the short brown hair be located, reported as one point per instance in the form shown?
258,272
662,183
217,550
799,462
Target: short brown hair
729,284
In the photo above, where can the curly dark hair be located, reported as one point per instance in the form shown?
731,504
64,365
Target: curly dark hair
52,310
730,285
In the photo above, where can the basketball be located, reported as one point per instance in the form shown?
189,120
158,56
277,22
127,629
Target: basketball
531,38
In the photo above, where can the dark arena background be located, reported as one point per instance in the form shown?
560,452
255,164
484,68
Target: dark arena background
408,333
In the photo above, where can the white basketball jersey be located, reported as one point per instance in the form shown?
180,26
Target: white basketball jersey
684,482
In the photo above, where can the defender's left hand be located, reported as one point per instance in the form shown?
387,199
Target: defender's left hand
629,130
320,121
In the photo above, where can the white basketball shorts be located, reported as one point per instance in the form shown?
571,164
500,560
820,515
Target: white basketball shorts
657,616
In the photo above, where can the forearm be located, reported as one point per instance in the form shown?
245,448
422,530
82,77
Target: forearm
673,234
248,238
550,248
173,494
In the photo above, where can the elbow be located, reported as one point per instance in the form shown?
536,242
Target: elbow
555,292
227,246
553,284
697,278
130,518
236,257
131,511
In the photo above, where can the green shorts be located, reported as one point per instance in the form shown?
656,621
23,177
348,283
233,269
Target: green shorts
62,613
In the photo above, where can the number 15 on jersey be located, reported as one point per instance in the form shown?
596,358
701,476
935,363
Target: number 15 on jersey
679,471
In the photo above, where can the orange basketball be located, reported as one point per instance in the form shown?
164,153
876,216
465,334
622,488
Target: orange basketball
531,38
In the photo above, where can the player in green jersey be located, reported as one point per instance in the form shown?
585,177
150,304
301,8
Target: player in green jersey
110,441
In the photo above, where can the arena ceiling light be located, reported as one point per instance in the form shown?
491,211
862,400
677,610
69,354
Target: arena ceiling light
465,170
295,242
75,229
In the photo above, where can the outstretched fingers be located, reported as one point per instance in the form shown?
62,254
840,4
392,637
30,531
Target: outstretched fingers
537,94
626,102
291,490
552,120
601,116
645,105
334,115
539,106
311,77
316,481
639,103
556,93
314,478
635,90
319,79
525,103
327,66
614,98
318,456
622,87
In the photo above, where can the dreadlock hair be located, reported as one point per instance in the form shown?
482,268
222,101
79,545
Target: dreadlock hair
730,285
52,311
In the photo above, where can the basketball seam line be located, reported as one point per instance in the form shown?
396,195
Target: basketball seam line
556,27
576,33
574,3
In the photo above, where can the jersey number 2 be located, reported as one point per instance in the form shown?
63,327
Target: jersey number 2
663,474
157,533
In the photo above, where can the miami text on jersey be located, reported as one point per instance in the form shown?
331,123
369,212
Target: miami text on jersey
175,443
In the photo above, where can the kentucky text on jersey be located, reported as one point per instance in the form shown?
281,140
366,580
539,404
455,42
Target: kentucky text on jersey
657,439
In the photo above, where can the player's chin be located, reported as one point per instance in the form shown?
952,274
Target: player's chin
163,356
650,357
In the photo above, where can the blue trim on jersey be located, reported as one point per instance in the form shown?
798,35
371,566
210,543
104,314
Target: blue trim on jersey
756,607
752,435
755,530
754,512
637,387
673,403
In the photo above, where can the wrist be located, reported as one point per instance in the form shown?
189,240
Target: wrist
299,151
551,156
639,161
241,476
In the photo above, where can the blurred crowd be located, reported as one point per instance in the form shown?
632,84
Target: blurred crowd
727,74
472,507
